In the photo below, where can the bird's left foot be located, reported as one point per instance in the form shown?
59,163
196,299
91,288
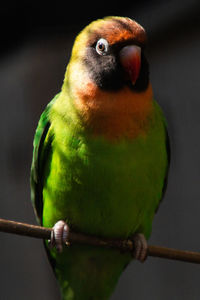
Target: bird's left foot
140,247
59,235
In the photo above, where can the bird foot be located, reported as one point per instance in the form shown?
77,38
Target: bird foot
140,247
59,235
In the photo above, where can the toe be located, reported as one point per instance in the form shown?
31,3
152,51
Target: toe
65,236
140,247
59,236
143,253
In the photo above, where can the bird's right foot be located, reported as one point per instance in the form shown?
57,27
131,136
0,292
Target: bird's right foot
140,247
59,235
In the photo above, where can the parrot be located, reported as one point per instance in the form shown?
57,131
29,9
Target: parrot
100,158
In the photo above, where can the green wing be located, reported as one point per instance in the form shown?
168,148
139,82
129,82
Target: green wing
41,148
167,143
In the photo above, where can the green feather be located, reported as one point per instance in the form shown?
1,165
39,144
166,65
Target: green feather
41,146
98,187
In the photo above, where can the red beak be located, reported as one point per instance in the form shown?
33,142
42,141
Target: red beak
130,58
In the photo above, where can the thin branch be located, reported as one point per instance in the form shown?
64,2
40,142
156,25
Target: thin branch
74,237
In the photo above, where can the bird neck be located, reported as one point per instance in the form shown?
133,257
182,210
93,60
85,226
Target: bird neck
115,114
111,114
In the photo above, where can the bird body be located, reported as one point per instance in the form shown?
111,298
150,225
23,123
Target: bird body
100,158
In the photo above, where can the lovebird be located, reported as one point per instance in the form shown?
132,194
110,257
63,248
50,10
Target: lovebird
100,158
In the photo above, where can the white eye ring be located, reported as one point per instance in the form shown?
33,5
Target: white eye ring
102,47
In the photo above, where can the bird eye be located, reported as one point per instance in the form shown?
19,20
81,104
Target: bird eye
102,47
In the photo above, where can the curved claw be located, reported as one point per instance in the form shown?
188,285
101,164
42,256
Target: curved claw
59,235
140,247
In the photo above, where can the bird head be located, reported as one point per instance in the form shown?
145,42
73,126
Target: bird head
108,71
111,51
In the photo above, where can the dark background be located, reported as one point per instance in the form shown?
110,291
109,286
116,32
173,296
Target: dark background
36,41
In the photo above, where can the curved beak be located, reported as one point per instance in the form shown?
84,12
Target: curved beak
130,58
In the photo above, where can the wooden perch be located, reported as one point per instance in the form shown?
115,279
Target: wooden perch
74,237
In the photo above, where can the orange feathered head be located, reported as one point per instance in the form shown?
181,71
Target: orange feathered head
111,49
108,73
